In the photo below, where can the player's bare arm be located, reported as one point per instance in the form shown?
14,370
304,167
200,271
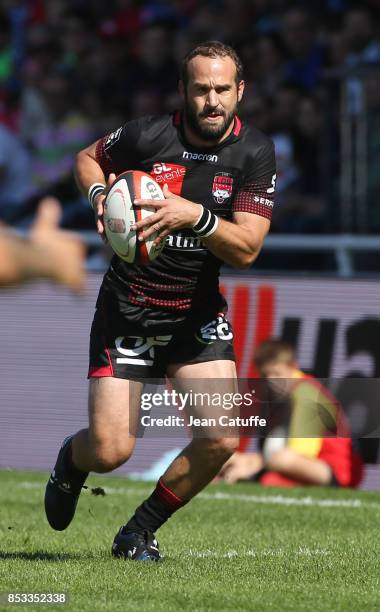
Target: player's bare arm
48,252
237,243
88,173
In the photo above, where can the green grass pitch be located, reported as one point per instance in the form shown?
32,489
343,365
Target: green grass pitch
233,548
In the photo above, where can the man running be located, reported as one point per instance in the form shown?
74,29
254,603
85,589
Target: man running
218,177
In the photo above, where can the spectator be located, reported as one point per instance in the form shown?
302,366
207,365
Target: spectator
307,138
358,31
283,125
311,443
6,60
270,64
110,61
305,53
298,143
15,175
256,110
154,64
76,42
55,145
337,50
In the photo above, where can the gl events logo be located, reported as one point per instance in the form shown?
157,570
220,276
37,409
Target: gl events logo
166,174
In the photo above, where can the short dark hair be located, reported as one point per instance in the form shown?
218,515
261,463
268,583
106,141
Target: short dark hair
271,350
212,48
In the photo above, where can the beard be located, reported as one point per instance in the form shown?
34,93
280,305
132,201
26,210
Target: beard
208,132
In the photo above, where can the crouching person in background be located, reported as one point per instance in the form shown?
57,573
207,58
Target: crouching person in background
312,445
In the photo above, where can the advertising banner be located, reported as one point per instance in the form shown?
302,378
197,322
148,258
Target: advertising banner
334,325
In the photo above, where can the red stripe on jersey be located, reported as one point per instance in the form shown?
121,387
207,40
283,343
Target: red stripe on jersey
109,360
159,287
95,371
177,119
237,128
143,300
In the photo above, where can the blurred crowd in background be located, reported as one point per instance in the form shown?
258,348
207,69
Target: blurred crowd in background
74,70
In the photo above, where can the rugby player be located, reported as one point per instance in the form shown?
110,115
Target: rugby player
316,447
168,317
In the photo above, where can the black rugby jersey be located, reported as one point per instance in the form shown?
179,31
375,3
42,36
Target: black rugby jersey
235,175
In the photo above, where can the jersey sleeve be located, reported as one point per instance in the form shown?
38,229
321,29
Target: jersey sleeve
256,194
118,151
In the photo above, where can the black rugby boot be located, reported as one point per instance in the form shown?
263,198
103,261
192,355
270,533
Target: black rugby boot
136,545
63,489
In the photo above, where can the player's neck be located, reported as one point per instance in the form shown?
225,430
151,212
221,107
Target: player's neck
196,141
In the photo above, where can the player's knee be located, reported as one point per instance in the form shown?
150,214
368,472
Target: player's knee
223,448
108,458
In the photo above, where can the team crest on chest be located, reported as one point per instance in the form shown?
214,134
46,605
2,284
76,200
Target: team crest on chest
222,187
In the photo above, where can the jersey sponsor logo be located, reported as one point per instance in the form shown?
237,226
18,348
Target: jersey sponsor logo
200,156
263,201
140,350
159,168
162,173
112,138
222,187
218,329
272,189
186,243
172,174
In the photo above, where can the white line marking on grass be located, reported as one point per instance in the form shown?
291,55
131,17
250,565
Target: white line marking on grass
282,500
231,554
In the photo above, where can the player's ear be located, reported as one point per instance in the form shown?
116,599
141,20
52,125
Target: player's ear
240,87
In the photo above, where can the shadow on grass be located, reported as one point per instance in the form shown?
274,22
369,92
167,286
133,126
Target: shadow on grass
39,555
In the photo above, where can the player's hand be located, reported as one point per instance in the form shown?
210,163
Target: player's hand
99,208
63,251
171,214
241,466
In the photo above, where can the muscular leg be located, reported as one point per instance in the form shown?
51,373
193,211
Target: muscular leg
106,444
110,438
202,459
199,462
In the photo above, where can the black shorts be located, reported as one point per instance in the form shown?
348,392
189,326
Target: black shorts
120,346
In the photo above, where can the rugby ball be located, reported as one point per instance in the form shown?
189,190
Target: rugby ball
120,213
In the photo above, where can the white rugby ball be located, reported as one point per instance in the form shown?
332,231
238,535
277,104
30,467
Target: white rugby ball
120,213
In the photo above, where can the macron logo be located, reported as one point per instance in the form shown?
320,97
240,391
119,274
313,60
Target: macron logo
200,156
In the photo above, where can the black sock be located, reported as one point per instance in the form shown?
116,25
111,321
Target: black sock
155,510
